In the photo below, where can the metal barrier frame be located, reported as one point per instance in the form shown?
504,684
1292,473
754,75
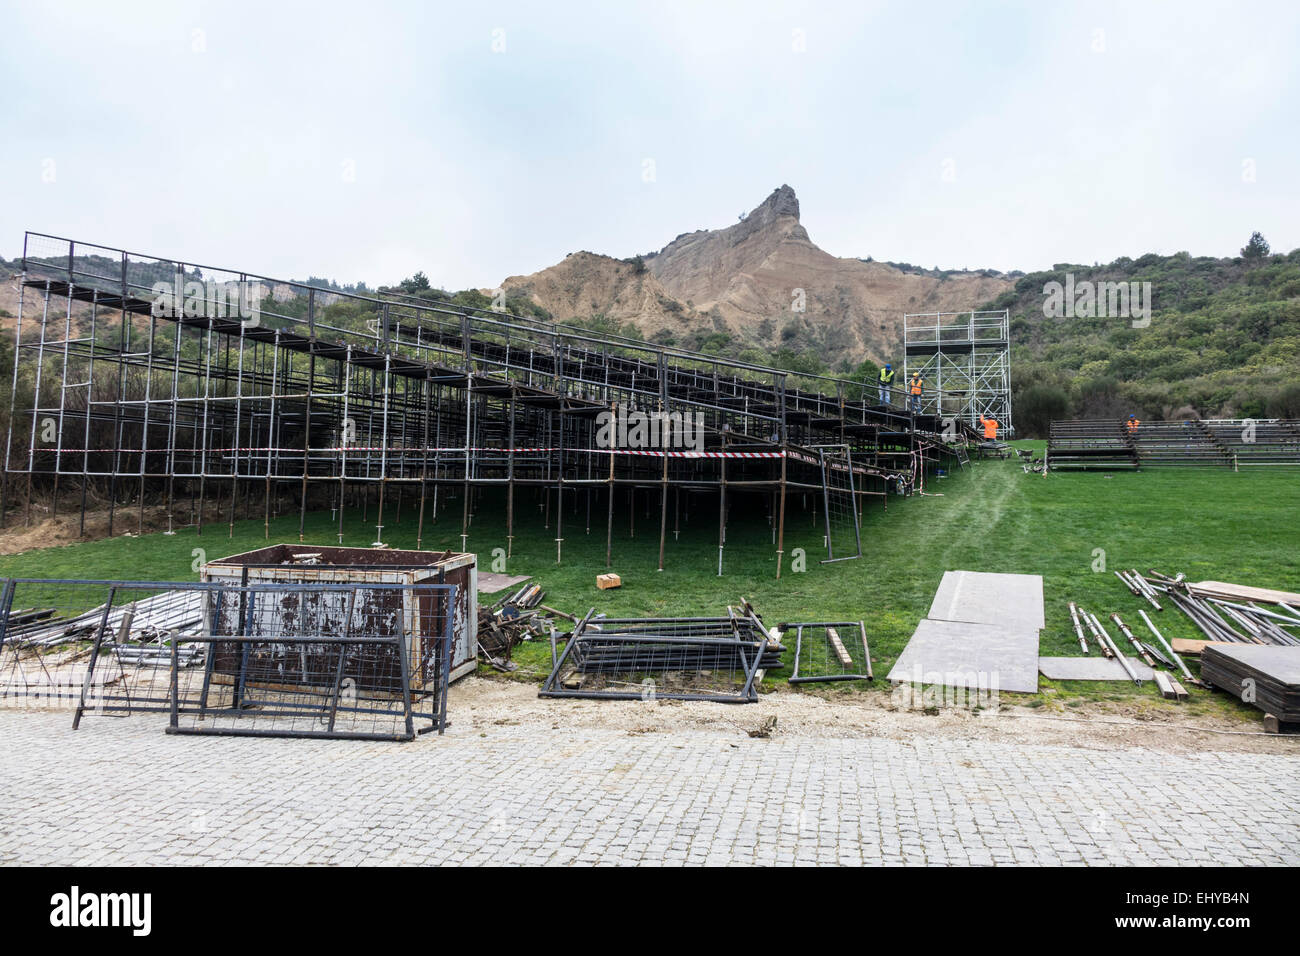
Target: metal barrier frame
797,678
657,632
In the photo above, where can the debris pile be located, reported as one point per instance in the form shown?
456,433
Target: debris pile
1029,462
519,616
150,621
1146,655
1227,614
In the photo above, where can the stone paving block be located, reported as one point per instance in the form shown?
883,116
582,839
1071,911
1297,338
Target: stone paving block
689,799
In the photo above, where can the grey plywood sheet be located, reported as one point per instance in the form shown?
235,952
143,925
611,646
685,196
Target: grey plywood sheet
489,582
1267,676
1091,668
975,656
981,597
1280,665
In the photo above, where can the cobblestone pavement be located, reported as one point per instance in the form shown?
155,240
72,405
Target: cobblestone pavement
120,791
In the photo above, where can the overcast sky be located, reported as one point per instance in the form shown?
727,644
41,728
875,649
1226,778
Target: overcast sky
480,140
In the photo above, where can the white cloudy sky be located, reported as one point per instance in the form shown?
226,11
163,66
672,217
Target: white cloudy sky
366,141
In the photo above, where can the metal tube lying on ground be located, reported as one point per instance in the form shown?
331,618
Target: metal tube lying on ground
1161,638
1096,633
1137,646
1115,651
1112,648
1145,588
1078,629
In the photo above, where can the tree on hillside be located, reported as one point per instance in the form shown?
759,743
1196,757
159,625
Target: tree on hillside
1285,402
417,283
472,298
867,373
1036,408
807,361
1104,398
1256,249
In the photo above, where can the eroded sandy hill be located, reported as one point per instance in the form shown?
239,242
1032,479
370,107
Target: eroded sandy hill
746,279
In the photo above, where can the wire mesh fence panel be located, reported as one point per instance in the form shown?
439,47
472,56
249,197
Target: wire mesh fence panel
367,661
714,659
283,659
842,532
830,651
92,645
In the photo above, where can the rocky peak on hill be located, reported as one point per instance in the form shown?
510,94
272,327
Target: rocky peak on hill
762,282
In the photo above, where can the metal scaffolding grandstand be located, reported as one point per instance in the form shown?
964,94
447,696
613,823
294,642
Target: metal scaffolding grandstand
1226,442
204,389
965,361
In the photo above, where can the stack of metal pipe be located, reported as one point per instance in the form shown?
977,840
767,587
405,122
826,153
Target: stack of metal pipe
1227,621
152,619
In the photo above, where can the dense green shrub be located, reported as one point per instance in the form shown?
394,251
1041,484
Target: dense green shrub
1035,408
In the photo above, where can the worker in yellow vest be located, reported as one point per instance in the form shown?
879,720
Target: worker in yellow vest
915,388
886,380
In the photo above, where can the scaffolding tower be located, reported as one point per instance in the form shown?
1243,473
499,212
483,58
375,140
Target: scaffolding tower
965,361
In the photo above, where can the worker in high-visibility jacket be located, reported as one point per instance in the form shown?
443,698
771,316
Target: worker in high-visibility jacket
990,428
1133,423
886,380
914,388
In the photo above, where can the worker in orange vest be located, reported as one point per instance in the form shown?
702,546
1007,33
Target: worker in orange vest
1133,423
915,388
990,428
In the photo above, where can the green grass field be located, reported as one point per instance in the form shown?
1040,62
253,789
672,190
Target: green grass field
1208,523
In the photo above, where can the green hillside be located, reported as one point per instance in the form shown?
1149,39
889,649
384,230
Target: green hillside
1223,341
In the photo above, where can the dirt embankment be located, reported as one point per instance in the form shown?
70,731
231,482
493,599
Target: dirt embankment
484,703
45,531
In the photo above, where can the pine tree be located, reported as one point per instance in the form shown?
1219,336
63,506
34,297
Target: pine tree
1257,248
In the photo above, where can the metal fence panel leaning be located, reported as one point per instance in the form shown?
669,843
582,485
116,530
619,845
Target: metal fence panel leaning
365,661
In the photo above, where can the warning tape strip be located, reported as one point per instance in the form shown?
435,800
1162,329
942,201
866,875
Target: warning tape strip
460,449
643,453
